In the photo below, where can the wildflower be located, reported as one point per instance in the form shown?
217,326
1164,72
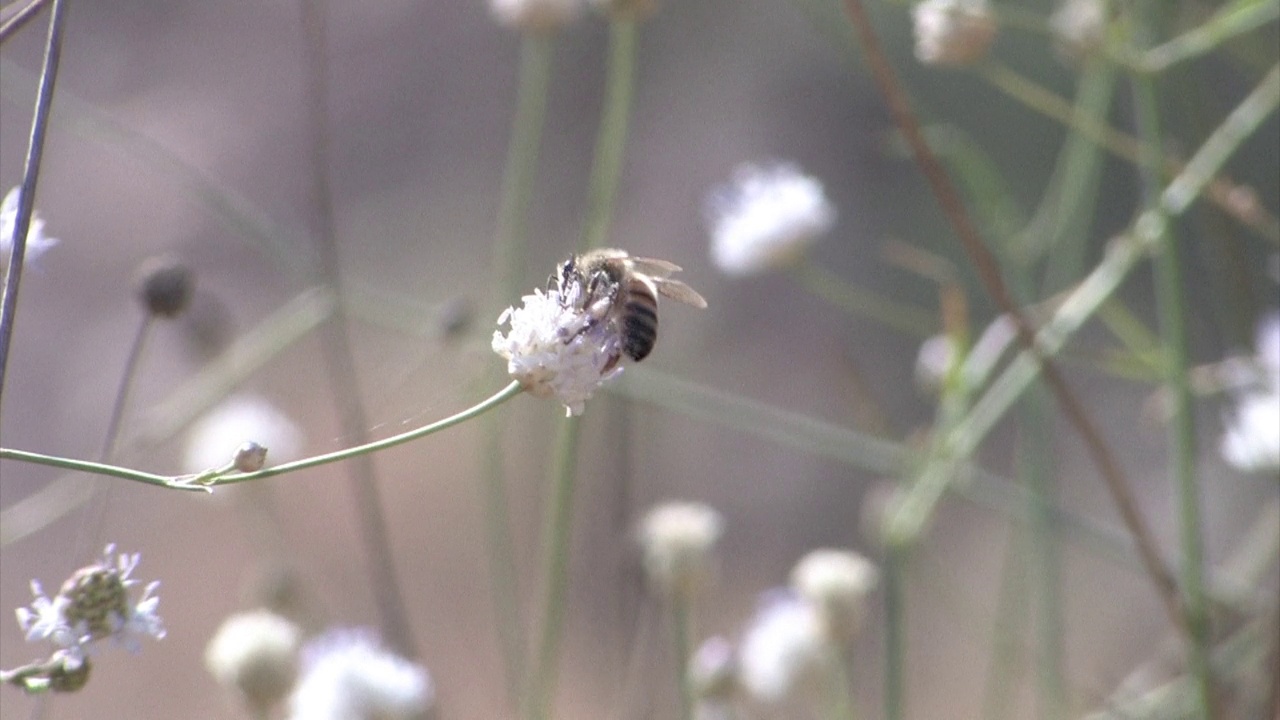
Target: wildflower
347,675
92,605
256,654
837,582
784,646
37,241
220,437
555,349
677,539
766,218
539,16
1252,438
952,32
1080,26
934,362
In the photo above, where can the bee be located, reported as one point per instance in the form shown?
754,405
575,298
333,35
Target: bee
611,286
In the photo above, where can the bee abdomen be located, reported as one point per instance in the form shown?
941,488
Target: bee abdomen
640,326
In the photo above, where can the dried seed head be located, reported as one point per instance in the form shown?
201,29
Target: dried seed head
97,597
165,286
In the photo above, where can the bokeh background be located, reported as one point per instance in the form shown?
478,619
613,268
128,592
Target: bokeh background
422,95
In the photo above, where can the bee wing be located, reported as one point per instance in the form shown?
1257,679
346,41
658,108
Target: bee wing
680,292
652,266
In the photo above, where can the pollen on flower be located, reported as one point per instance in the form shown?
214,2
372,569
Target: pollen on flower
555,349
37,241
953,32
766,218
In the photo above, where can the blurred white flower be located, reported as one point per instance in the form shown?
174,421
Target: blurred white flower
677,539
766,218
255,654
838,582
217,438
1080,25
1252,438
713,672
952,32
37,241
784,644
347,675
934,361
535,15
94,604
554,349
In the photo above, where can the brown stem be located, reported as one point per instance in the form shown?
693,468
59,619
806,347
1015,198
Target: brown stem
989,273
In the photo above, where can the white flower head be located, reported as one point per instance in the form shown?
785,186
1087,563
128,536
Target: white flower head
37,241
255,654
217,438
94,604
538,16
934,362
556,349
677,540
838,582
1252,438
766,218
784,646
348,675
952,32
1080,26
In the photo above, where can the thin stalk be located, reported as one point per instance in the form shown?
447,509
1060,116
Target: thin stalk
1234,19
611,138
339,359
20,18
1170,305
863,303
895,633
840,702
681,636
1006,654
30,177
557,532
220,477
536,51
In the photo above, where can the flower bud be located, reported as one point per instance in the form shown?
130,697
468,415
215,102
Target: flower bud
165,287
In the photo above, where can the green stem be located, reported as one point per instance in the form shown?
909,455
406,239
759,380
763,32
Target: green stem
681,635
1235,19
863,303
895,634
557,533
611,139
215,479
1182,439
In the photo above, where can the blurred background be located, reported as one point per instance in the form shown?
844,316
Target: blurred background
179,129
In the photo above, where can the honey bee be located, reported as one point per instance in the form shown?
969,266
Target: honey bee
611,286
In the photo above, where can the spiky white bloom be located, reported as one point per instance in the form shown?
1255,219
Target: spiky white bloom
255,654
555,349
348,675
785,643
1080,25
217,437
1252,438
952,32
535,15
838,582
677,539
766,218
94,605
37,241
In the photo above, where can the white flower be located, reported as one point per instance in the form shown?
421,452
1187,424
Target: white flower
1252,438
784,645
555,350
37,241
256,654
216,438
535,15
838,582
1080,25
952,32
677,539
766,218
93,605
347,675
